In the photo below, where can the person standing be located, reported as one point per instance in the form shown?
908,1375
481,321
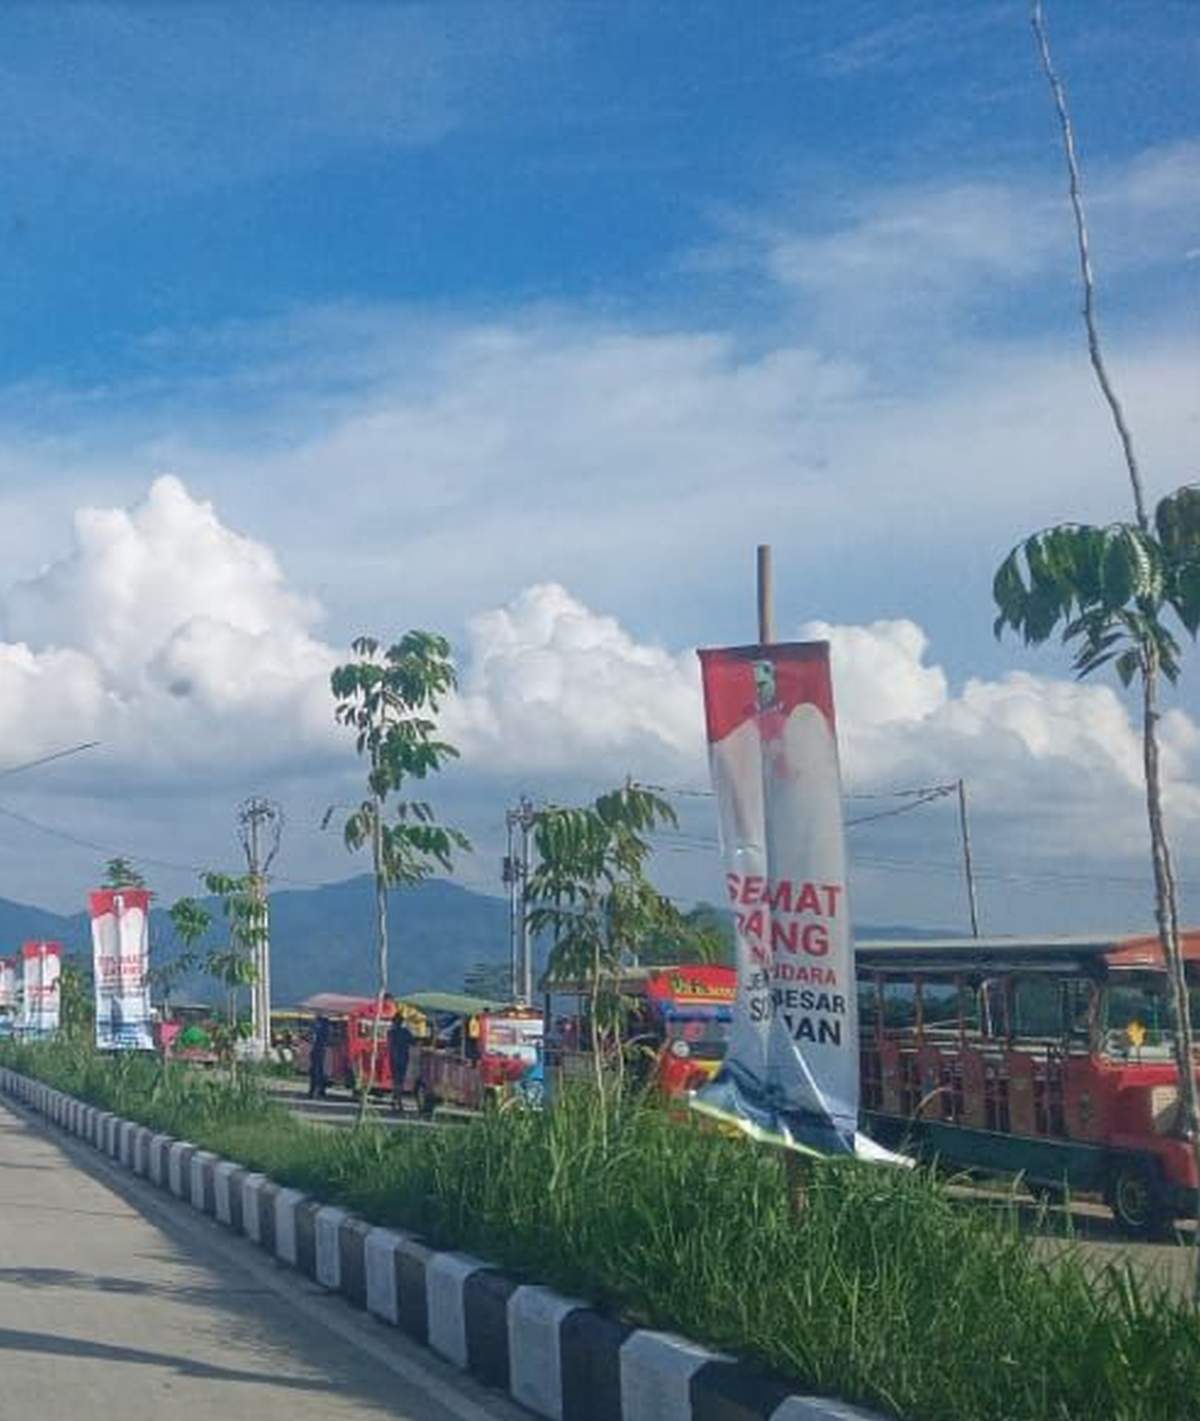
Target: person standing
400,1040
317,1081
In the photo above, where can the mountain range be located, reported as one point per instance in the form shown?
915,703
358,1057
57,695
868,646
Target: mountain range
323,939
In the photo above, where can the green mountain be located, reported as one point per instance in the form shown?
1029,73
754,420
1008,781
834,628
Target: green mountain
323,939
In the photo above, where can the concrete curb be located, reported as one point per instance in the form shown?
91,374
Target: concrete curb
554,1355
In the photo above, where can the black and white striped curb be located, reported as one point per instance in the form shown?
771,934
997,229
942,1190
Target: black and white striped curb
552,1354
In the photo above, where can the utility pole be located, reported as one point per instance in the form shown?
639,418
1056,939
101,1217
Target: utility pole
766,596
968,868
515,874
510,876
260,825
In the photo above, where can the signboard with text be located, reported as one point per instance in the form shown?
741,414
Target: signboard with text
120,961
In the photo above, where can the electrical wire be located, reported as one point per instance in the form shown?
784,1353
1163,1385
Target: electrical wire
67,837
47,759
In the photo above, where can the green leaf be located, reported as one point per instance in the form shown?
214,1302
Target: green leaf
1127,665
1185,595
1177,520
1117,569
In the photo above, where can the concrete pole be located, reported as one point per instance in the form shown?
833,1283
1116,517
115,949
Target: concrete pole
968,868
526,945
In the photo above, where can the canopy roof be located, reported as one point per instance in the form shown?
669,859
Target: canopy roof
1048,953
452,1003
335,1003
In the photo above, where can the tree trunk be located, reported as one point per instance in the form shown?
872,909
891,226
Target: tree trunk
382,926
1166,911
594,1014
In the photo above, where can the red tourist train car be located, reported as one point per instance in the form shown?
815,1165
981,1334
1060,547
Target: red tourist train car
478,1052
1048,1057
466,1052
677,1030
352,1025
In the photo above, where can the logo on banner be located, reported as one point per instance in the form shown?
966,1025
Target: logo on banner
120,961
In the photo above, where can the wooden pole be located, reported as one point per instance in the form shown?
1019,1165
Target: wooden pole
794,1166
766,597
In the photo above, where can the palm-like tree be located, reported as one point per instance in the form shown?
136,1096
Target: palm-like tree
1112,593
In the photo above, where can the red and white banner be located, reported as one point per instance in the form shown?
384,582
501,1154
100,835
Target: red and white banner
121,961
8,984
41,971
791,1072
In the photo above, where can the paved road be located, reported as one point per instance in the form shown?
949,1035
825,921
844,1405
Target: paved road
117,1301
1090,1226
339,1107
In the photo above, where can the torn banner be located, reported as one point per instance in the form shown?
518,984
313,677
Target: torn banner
791,1071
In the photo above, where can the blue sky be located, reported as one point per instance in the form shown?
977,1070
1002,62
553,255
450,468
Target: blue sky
168,167
438,303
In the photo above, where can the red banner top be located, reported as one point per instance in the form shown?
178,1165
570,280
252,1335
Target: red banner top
766,683
103,900
36,949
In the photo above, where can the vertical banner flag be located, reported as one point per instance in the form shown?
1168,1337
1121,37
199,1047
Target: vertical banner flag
791,1070
121,961
8,994
42,967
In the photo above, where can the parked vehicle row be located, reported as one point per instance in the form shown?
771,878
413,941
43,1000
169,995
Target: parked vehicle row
1052,1058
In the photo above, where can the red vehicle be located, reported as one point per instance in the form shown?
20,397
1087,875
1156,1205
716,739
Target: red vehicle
476,1052
353,1025
1048,1057
677,1030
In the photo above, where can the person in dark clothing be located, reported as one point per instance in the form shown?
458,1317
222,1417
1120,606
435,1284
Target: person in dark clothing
400,1040
316,1060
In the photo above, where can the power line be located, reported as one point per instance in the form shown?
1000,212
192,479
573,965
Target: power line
110,850
46,759
686,838
920,791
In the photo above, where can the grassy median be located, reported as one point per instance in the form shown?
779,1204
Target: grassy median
882,1290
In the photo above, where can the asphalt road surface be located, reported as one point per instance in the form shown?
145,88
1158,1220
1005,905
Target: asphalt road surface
118,1301
339,1106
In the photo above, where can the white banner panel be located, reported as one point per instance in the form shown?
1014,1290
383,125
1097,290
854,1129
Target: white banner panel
8,995
42,967
791,1073
121,960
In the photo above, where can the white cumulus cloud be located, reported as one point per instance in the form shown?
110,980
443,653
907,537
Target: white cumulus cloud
166,635
551,686
180,644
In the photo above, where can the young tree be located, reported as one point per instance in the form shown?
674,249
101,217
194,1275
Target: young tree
389,698
701,934
77,998
490,980
1110,593
231,964
121,873
591,893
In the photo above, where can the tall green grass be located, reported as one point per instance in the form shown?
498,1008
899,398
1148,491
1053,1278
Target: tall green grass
882,1289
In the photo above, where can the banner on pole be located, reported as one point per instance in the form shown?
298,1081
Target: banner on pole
41,971
8,995
791,1072
121,962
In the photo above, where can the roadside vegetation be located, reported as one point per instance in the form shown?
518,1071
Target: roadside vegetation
884,1290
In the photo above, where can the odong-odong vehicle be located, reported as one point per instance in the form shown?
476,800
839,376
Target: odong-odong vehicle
676,1029
476,1053
1049,1057
353,1025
